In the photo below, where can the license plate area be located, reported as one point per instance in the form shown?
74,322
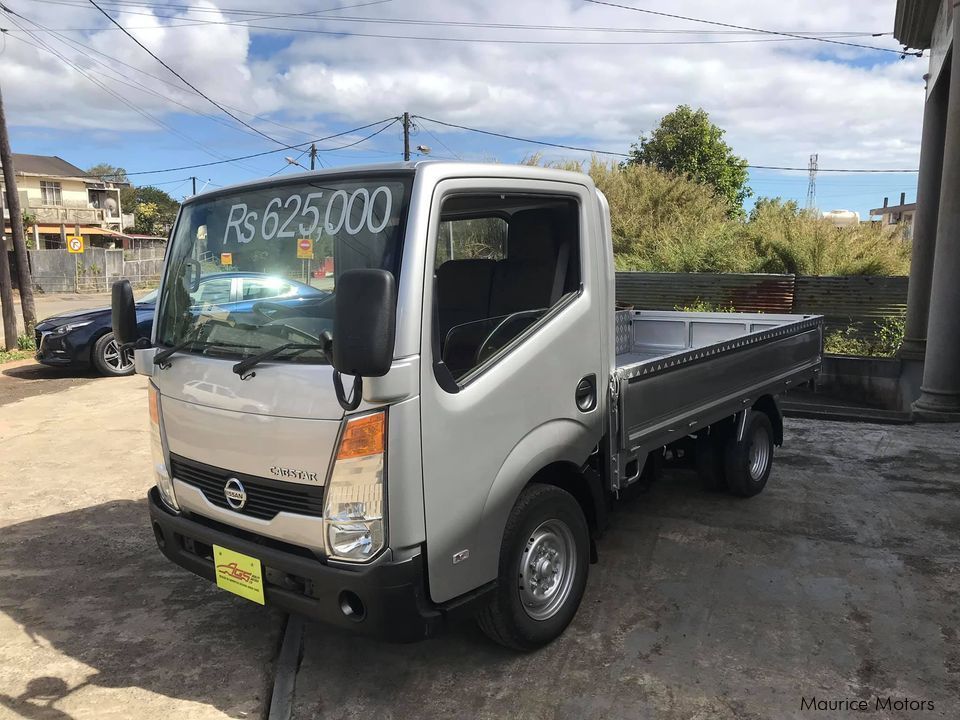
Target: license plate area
238,573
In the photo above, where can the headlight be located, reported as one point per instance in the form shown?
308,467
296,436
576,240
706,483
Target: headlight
353,498
70,327
164,483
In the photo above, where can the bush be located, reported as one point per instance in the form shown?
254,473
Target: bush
699,305
25,342
884,342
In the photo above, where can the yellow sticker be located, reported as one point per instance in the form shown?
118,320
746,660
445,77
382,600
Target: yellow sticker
239,574
226,258
305,248
75,244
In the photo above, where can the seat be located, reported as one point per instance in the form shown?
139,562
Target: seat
528,278
463,292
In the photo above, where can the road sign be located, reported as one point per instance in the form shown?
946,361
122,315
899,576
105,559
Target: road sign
75,244
226,258
305,249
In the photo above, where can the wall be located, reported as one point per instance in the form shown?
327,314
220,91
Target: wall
95,270
855,301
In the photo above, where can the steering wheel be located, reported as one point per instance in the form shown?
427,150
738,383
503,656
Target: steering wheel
523,319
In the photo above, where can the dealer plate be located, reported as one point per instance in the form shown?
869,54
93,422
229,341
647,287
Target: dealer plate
238,573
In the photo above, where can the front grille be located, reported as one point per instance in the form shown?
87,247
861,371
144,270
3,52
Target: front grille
265,498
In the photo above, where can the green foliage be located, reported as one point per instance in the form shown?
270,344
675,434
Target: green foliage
147,218
699,305
885,341
687,143
26,342
665,222
108,172
27,220
786,239
162,213
12,355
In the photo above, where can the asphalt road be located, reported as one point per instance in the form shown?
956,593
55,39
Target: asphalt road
838,582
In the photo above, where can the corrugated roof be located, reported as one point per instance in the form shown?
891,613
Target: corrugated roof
913,23
51,166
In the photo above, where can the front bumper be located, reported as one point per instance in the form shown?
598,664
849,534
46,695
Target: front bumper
59,350
393,595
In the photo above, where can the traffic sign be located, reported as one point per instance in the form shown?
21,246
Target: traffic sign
75,244
305,249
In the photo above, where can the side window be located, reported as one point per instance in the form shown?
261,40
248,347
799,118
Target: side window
502,262
261,288
213,291
477,238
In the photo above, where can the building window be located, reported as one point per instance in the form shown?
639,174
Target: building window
50,193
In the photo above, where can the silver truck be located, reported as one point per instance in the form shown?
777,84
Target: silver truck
402,394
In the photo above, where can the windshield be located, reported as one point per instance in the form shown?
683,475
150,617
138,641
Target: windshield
252,270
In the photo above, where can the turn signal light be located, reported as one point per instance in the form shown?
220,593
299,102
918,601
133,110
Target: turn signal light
362,436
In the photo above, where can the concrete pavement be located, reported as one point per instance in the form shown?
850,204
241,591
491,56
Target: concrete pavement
94,623
838,582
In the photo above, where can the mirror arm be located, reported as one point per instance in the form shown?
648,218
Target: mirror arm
356,395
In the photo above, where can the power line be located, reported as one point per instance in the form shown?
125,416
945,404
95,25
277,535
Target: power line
626,155
390,122
182,78
796,36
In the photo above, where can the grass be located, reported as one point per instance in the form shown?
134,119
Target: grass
13,355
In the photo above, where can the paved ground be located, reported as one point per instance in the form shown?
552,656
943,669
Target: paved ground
52,304
839,582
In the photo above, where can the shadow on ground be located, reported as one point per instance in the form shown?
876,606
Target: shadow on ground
25,379
92,584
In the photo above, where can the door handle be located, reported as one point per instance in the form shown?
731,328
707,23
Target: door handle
586,393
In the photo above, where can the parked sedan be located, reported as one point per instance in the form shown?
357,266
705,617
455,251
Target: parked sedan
85,337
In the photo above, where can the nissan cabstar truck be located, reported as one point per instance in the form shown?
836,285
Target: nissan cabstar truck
389,397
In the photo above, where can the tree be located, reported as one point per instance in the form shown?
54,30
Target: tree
147,219
686,142
109,173
166,207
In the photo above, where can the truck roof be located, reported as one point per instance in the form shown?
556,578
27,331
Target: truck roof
439,169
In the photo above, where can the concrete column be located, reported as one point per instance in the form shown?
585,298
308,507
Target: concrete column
925,221
940,393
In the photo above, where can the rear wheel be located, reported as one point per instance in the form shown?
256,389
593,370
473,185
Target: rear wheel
109,359
543,570
748,462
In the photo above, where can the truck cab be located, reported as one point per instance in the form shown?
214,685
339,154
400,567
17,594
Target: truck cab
434,431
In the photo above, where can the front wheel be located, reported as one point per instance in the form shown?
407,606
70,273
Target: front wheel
109,359
544,559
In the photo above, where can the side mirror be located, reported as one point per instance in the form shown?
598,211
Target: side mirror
124,313
364,322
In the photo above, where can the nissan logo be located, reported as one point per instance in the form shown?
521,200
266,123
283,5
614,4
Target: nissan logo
235,494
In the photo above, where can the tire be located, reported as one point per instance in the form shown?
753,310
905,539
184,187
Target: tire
546,540
109,360
748,463
709,458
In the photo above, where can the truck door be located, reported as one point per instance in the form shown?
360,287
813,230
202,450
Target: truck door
513,355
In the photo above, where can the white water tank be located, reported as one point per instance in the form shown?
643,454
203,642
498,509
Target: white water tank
842,218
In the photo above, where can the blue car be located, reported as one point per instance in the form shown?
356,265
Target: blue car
85,337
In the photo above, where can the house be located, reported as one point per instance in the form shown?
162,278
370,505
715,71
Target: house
895,217
64,200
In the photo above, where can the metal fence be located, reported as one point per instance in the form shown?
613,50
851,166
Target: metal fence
857,302
94,270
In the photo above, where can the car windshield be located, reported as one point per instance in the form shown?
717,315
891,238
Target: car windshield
254,269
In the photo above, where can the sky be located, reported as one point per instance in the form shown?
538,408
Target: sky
570,72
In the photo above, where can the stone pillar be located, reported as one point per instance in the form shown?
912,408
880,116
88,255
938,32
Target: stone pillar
925,221
940,393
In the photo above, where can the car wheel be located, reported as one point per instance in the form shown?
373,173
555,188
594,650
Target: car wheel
109,359
748,463
544,559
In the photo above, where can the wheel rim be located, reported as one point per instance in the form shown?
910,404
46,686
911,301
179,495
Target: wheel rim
759,452
548,565
115,358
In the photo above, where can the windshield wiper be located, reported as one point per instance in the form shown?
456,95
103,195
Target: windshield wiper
244,367
192,341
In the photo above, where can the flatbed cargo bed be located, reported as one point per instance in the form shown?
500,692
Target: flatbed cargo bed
679,372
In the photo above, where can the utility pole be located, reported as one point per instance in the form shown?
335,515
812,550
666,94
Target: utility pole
6,288
313,156
16,227
194,178
406,136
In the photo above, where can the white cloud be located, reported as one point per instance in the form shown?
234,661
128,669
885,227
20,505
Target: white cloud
779,101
